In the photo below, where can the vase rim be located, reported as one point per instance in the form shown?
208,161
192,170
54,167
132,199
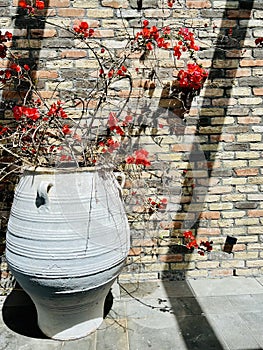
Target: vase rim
66,170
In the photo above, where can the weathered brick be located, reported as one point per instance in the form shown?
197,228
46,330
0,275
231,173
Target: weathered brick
71,12
115,3
246,172
255,213
247,221
198,4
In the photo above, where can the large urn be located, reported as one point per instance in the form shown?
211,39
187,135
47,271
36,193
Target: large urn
67,240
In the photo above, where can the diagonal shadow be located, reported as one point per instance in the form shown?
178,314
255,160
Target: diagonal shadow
197,331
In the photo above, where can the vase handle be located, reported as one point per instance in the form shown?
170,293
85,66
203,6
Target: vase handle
42,194
123,178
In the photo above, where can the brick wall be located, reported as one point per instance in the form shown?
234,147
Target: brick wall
212,163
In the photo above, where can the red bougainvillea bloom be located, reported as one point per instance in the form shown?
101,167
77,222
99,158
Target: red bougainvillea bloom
5,37
189,235
83,29
170,3
192,78
113,124
57,110
40,4
66,129
29,112
177,51
145,23
112,145
259,41
110,73
23,4
15,67
3,129
139,157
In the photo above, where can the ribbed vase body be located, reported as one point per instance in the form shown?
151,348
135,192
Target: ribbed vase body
67,240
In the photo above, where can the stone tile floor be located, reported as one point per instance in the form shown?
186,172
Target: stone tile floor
207,314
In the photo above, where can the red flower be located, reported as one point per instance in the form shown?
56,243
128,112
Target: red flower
15,67
23,4
31,113
149,46
177,51
113,124
110,73
26,67
17,112
3,129
40,4
57,110
192,78
139,157
83,29
112,145
259,41
66,130
145,23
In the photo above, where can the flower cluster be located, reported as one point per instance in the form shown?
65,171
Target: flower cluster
7,36
39,5
191,243
83,29
149,37
139,157
186,42
192,78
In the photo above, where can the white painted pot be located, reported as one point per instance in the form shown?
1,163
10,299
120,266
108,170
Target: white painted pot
67,239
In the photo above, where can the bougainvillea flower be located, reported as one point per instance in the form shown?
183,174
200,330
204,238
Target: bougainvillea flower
3,129
113,124
139,157
15,67
57,110
66,129
192,78
23,4
259,41
83,29
31,113
40,4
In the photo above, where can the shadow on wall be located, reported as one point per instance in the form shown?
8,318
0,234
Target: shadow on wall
192,328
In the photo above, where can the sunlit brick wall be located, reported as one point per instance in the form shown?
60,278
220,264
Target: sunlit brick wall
225,122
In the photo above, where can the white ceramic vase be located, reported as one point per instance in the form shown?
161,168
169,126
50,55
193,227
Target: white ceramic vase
67,240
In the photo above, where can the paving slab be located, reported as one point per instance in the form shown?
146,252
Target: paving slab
254,321
234,331
143,337
155,289
226,286
112,334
